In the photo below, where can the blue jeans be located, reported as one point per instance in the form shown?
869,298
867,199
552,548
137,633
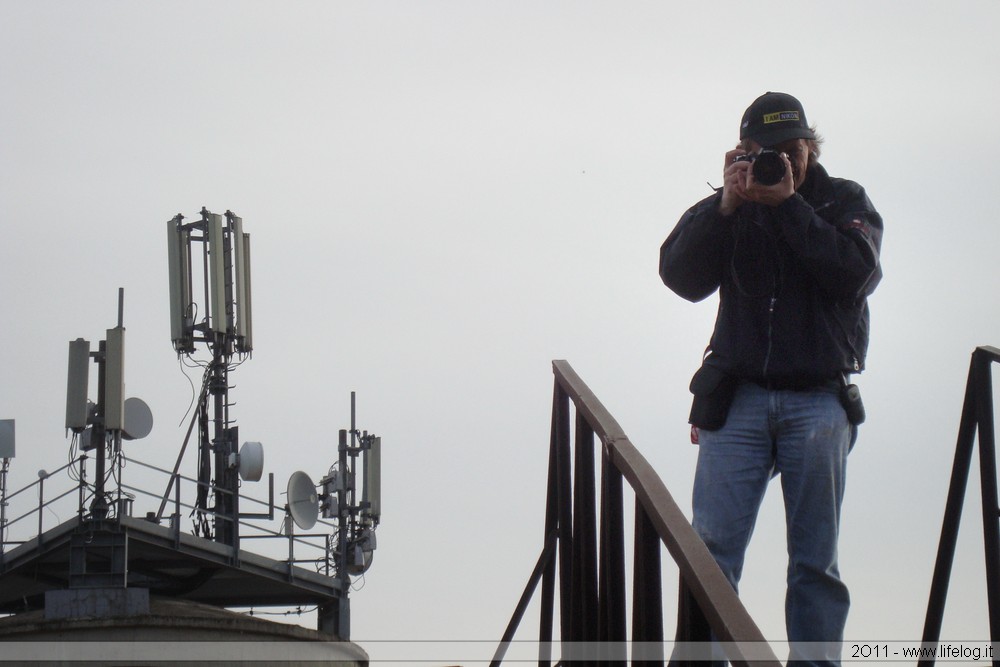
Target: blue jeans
805,437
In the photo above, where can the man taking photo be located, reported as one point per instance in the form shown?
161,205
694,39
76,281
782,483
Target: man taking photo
794,254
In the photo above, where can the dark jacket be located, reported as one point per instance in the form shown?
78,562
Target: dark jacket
793,280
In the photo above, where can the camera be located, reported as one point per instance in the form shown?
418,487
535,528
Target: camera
768,167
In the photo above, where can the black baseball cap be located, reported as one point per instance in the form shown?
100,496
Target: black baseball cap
773,118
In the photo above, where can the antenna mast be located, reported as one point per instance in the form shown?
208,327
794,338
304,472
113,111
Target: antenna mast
357,518
225,328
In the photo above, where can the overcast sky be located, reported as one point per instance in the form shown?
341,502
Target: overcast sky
443,197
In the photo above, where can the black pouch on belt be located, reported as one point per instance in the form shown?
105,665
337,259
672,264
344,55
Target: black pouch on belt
713,393
850,398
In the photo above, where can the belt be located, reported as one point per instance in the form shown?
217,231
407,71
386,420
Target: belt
799,384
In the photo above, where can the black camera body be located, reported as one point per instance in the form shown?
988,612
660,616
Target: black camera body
768,167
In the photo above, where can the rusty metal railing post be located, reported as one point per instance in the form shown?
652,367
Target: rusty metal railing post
647,586
988,483
692,626
558,517
564,490
611,584
583,597
541,566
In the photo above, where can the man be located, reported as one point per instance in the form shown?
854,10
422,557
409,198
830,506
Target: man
794,262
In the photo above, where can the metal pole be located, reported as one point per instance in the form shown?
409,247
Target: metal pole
204,469
353,453
647,593
175,519
81,488
952,516
41,505
522,604
343,603
116,435
565,514
223,528
611,585
180,457
4,467
988,482
551,528
584,594
99,506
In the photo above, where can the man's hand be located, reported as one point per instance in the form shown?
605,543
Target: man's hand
734,182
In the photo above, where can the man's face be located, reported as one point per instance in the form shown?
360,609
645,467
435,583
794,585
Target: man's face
798,154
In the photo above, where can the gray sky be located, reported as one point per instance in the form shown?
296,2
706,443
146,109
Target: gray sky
445,196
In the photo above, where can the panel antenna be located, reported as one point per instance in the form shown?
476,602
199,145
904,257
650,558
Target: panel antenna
210,256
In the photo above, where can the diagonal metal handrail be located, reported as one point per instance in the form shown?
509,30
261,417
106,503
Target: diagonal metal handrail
592,583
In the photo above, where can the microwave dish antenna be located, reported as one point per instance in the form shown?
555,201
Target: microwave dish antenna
138,419
303,501
250,461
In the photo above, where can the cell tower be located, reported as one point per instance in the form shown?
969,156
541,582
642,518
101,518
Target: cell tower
102,426
226,329
104,561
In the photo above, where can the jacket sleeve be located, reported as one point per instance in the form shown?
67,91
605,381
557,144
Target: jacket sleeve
842,254
693,257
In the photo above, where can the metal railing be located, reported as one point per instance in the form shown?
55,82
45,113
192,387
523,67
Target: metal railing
592,588
37,509
977,419
122,495
315,542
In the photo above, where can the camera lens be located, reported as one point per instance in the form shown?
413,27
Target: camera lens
768,168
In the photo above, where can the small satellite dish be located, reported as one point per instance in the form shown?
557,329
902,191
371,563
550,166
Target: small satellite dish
251,461
303,502
138,419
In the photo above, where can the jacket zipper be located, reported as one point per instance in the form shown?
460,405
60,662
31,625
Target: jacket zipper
770,329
